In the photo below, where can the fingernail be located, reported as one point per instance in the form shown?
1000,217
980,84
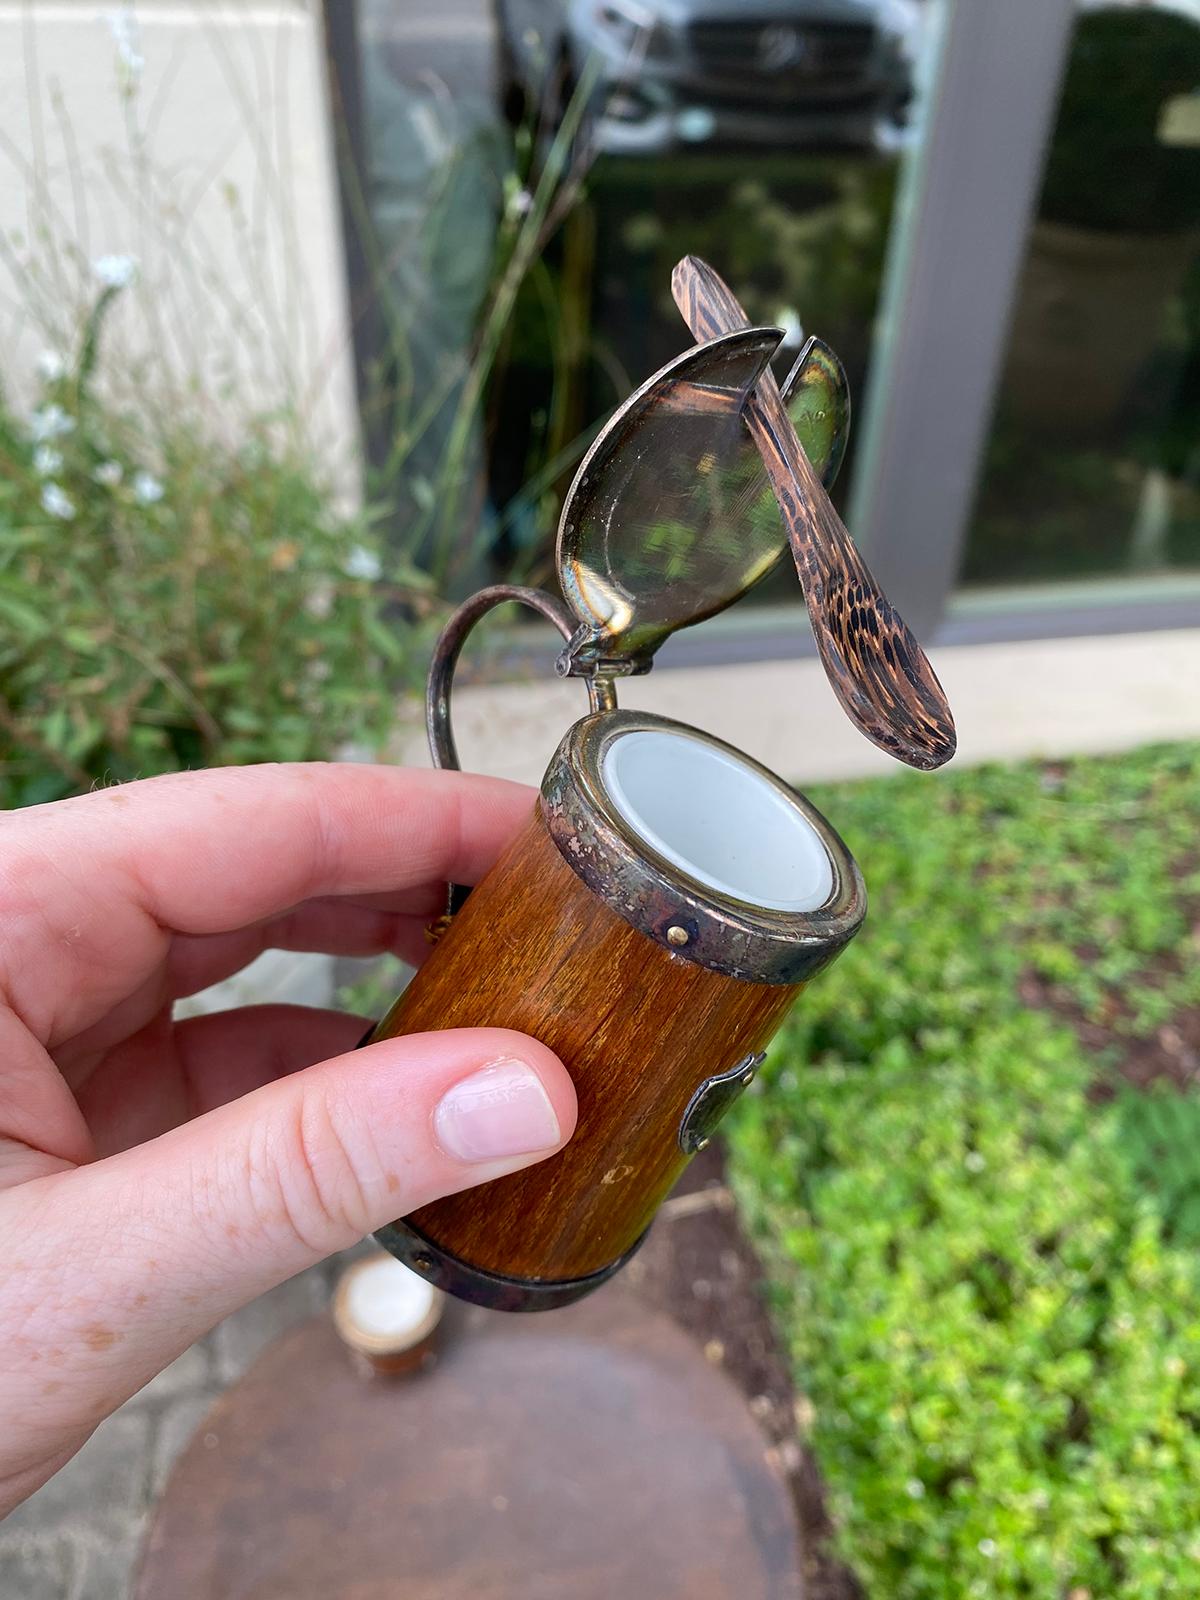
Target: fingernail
502,1110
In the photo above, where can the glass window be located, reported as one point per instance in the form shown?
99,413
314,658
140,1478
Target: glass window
1093,463
535,169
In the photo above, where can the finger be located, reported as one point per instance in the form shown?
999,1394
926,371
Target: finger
92,887
138,1255
171,1074
230,1053
324,926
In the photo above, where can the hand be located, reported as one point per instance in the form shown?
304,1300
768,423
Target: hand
155,1175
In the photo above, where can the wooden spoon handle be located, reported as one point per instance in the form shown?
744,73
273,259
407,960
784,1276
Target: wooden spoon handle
877,669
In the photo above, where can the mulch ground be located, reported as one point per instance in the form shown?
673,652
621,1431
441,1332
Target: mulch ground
699,1267
1170,1055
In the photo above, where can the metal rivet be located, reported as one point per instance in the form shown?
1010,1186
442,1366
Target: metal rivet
423,1262
748,1075
677,935
702,1144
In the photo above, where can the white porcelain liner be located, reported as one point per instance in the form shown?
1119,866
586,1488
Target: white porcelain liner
718,820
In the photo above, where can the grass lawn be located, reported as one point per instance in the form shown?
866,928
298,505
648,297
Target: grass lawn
973,1167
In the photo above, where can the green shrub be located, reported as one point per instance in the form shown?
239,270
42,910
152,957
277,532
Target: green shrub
1002,1353
1160,1132
170,600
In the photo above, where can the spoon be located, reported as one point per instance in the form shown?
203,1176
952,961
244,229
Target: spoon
874,664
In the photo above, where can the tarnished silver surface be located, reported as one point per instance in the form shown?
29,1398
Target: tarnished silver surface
440,683
671,515
712,1100
446,1271
439,686
656,897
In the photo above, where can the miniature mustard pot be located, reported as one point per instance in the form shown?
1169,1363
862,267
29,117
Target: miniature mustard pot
668,897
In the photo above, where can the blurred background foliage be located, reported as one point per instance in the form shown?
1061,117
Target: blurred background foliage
177,592
1107,166
169,599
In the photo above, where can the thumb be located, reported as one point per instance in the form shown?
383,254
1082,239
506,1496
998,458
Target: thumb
143,1252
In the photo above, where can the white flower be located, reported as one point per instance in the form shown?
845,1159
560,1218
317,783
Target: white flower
146,488
51,422
520,203
46,460
793,329
124,29
319,602
109,474
115,272
51,365
57,502
363,563
989,1548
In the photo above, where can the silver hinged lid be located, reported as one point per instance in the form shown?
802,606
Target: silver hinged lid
671,516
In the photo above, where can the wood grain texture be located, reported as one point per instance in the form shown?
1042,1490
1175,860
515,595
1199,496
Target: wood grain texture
638,1028
877,669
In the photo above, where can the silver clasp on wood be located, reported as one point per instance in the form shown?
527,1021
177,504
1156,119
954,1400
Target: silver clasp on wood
712,1100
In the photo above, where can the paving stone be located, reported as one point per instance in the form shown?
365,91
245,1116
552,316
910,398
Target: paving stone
328,1273
99,1491
242,1337
277,977
104,1571
191,1372
175,1429
35,1569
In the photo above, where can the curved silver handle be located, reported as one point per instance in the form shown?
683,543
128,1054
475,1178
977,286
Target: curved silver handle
440,684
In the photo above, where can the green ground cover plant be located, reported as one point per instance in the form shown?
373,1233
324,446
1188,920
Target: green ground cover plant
977,1232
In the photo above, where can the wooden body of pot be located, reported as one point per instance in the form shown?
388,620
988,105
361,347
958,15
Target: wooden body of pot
657,996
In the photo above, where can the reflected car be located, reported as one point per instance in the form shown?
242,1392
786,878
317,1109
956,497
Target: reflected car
717,73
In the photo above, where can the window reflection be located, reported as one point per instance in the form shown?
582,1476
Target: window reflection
1093,466
765,135
715,73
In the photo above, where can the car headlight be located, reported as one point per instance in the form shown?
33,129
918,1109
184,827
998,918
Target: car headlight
630,24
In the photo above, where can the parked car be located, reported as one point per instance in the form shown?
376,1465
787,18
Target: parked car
789,73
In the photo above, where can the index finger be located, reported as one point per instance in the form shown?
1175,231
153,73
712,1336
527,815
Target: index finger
206,852
92,887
